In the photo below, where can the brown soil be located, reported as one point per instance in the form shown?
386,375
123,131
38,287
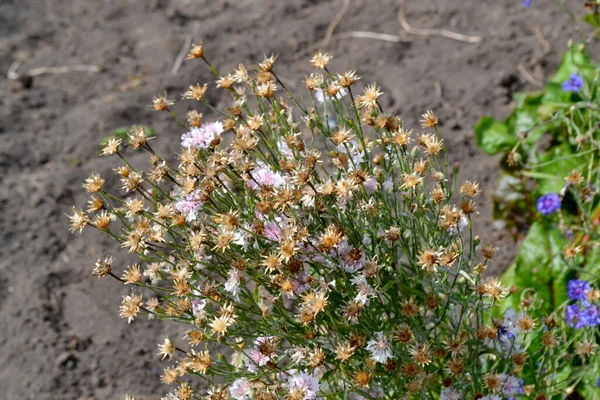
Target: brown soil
61,336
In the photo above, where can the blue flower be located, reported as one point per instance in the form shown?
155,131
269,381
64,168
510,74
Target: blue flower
548,203
598,382
526,3
578,290
589,316
572,316
573,84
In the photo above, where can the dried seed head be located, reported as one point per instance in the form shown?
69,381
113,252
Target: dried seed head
548,339
320,60
226,82
489,251
78,220
103,267
429,120
161,103
348,79
94,183
420,353
111,146
362,378
369,98
494,290
574,178
197,51
470,189
491,381
132,275
267,64
130,306
196,92
137,136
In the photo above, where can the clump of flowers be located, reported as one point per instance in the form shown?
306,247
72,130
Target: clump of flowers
316,250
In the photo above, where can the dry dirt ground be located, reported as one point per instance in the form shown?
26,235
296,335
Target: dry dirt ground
60,334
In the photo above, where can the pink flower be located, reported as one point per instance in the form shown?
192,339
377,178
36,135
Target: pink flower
189,205
265,176
200,138
273,231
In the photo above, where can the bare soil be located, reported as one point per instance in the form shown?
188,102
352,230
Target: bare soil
60,333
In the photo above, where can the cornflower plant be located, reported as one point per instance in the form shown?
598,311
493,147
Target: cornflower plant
318,251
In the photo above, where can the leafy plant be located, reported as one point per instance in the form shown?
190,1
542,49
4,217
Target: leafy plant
550,162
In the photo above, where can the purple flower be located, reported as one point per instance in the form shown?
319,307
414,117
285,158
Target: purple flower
598,382
572,316
578,290
548,203
589,316
526,3
573,84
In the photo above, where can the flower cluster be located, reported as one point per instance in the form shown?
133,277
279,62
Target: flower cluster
314,251
584,312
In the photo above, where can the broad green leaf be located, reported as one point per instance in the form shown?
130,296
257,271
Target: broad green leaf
556,164
577,60
529,98
538,264
592,19
493,136
555,97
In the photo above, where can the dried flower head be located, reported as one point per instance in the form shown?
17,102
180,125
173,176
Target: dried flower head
161,103
321,60
197,51
429,120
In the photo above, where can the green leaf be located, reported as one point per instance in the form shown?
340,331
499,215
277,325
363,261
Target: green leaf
493,136
538,265
556,164
592,19
575,59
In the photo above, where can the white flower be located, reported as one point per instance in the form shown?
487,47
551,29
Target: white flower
320,96
241,389
370,184
509,385
299,354
198,308
510,323
462,224
491,397
379,348
450,394
388,185
305,383
233,281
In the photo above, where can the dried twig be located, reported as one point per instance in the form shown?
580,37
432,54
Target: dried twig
184,50
334,23
63,70
432,32
541,39
328,34
13,75
528,77
371,35
439,92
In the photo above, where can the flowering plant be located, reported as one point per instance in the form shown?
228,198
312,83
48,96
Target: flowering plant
316,251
